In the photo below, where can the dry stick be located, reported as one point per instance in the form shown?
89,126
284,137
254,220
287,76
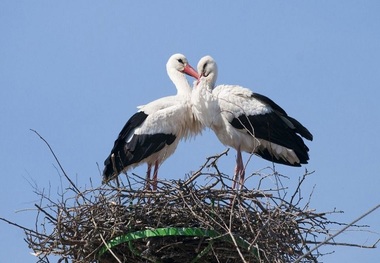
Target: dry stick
336,234
199,172
23,228
297,191
231,234
109,249
344,244
46,213
56,159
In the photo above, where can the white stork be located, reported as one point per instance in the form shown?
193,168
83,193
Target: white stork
152,134
247,121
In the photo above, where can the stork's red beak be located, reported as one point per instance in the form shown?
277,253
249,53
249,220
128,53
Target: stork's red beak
190,71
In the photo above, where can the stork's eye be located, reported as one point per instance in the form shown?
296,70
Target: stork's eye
181,61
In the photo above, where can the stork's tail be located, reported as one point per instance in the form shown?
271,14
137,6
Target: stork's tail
114,165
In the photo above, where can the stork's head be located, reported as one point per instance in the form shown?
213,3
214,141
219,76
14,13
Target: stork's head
207,70
179,63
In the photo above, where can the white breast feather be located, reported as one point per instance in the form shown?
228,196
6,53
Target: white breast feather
169,115
205,105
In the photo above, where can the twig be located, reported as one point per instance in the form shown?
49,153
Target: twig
20,226
338,233
46,213
199,172
58,162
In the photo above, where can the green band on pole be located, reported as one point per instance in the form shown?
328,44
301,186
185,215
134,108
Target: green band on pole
172,231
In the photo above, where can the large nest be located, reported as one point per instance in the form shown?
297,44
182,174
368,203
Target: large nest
183,221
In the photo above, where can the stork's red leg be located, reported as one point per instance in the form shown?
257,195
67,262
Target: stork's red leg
147,183
155,173
242,172
235,177
239,170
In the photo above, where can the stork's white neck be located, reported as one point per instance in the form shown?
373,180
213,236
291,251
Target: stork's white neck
210,80
205,104
180,81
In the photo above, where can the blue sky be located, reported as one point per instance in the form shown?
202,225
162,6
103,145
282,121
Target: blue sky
75,71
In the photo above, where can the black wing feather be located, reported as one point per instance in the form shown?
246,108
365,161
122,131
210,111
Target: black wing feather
273,128
137,149
299,128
